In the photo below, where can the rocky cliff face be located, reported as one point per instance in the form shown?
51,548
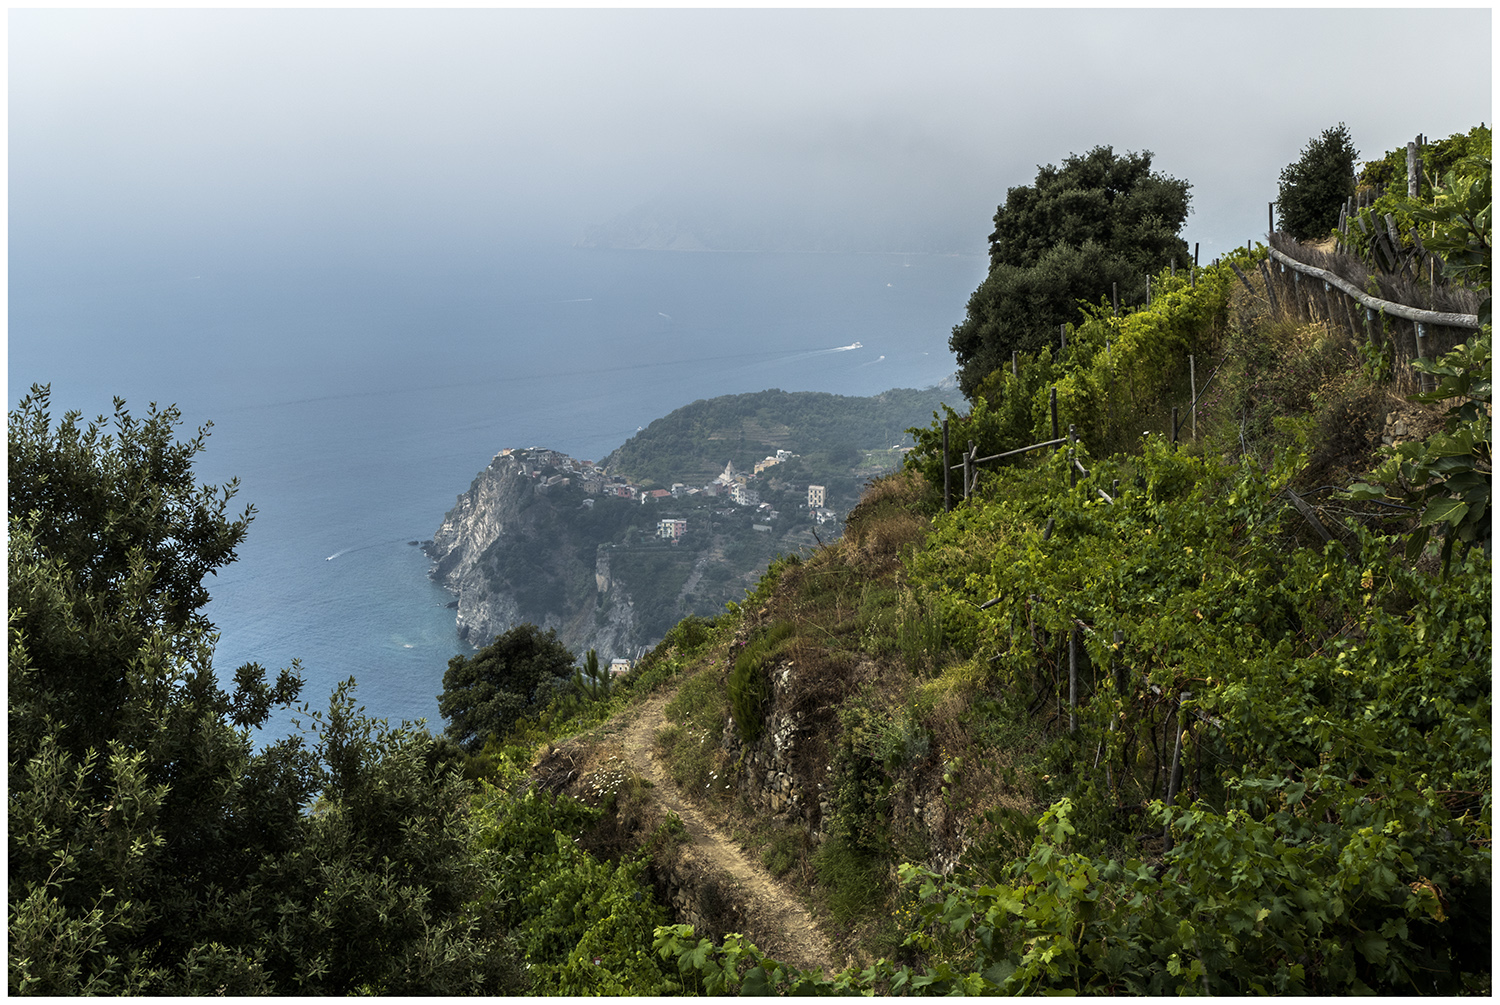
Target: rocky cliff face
509,551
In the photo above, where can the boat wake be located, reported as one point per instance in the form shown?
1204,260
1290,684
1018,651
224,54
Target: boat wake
823,352
363,547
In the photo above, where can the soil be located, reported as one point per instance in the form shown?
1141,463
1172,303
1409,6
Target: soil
772,916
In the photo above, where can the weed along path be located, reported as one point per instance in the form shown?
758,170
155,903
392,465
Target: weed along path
776,921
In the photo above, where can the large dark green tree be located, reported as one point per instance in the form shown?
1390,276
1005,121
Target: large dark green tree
1100,219
484,694
152,850
1315,186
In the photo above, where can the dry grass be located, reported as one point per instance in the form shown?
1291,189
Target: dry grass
885,522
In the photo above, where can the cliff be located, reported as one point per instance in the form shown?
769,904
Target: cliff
514,549
543,538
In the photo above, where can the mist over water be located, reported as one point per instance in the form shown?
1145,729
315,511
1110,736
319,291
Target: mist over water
354,404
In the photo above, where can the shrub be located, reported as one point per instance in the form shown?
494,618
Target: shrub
1316,186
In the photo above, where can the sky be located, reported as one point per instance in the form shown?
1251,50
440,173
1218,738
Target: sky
171,138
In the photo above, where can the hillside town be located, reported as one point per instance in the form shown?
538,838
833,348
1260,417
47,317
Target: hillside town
552,468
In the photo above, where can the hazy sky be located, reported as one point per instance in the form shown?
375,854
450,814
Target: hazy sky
188,136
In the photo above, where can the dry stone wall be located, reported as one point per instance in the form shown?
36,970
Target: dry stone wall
777,779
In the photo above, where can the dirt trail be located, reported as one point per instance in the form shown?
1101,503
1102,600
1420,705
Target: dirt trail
779,925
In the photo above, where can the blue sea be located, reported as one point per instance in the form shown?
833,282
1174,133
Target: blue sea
355,404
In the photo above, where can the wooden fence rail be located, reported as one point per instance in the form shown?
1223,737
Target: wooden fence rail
1389,307
1307,292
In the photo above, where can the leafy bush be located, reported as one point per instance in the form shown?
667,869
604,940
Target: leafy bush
1446,477
1314,188
486,693
1099,219
582,925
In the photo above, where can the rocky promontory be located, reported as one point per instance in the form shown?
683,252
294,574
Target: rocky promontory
511,553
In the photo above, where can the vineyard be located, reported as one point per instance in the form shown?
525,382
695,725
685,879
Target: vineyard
1259,733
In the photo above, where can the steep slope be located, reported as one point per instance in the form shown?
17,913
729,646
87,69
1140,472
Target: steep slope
1103,699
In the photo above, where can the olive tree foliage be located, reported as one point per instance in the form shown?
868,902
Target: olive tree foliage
1314,187
1098,221
484,694
152,850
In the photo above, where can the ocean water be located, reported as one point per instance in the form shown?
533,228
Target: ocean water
354,405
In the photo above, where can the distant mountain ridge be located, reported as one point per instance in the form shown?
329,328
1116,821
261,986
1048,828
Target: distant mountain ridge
695,441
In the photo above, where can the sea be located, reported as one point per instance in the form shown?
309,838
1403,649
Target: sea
355,403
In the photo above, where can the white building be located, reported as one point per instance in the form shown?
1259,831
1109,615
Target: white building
817,496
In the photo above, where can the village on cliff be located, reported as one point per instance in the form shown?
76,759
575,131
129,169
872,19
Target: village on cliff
594,480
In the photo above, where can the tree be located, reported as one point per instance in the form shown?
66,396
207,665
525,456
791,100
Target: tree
1099,220
1313,188
484,694
151,849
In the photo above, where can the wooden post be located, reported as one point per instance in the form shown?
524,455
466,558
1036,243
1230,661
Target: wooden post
1270,218
1421,329
1265,274
1174,425
947,473
1062,336
1193,390
1015,363
1304,313
1148,289
1413,171
1115,296
1052,403
968,469
1073,681
1072,469
1195,265
1172,774
1341,315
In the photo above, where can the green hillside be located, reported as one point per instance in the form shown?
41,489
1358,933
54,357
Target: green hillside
693,443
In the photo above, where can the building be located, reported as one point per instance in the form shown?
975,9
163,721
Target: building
618,668
743,495
817,496
671,530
